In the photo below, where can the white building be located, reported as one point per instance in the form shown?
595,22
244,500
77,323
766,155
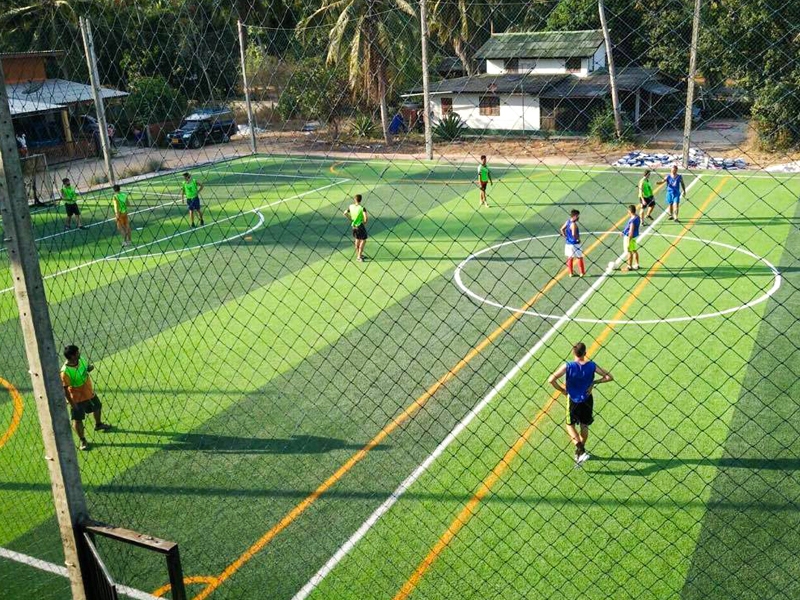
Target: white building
551,80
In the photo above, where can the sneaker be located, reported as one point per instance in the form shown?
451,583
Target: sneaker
103,427
582,275
635,267
671,218
360,259
582,458
193,226
572,274
84,445
202,222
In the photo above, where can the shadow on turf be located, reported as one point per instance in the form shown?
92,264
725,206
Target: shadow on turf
225,444
643,466
721,272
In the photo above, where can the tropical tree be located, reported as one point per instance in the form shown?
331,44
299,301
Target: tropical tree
451,24
45,24
367,34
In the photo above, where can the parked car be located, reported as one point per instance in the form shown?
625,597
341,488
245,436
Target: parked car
203,127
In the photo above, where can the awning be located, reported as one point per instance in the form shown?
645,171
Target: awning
51,94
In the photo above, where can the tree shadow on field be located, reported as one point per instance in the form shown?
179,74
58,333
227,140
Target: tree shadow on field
224,444
642,466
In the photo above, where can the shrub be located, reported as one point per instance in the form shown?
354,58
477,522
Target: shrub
603,128
314,91
152,100
363,126
450,128
776,115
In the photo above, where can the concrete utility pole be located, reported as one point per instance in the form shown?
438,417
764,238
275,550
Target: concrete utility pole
59,447
251,122
94,78
426,94
612,74
687,118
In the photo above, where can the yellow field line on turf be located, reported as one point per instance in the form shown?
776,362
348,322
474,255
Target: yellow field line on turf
407,413
16,415
470,508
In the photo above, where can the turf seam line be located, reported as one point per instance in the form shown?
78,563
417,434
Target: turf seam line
387,504
55,569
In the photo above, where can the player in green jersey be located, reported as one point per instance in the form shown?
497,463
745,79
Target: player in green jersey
69,196
358,220
190,190
120,202
484,179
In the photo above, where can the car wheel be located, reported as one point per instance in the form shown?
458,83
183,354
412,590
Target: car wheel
195,143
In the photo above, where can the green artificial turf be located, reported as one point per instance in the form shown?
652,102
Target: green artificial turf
242,368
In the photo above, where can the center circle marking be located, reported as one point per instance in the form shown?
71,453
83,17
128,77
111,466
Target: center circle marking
483,300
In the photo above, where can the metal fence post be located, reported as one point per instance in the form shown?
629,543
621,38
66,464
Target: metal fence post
62,460
250,120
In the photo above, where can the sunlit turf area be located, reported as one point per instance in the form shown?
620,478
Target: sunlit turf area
308,426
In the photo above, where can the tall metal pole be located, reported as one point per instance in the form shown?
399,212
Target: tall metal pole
94,78
251,122
687,118
612,74
62,461
426,94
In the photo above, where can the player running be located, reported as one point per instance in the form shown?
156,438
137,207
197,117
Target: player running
629,236
80,393
69,195
358,220
646,197
572,249
190,190
578,387
484,179
120,202
674,186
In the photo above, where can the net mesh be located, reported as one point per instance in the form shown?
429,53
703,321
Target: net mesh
306,424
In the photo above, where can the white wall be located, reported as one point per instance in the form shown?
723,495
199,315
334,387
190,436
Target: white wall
495,67
599,58
550,66
512,110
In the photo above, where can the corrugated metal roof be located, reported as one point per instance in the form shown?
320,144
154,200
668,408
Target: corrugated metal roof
542,44
598,84
33,54
51,94
497,84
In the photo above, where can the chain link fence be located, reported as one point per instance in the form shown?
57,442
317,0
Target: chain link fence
321,397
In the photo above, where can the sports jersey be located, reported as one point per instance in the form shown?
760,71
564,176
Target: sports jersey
356,214
674,184
483,173
190,189
580,377
632,227
647,188
572,239
69,195
122,202
77,381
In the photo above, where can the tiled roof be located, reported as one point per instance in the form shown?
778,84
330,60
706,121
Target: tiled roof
542,44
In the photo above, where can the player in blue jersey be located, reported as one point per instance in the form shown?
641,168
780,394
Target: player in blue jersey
674,186
629,237
578,388
572,250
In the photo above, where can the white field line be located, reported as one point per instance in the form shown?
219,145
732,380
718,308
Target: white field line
49,567
122,254
279,175
387,504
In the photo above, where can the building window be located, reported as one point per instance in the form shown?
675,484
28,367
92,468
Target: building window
574,65
511,65
489,106
447,106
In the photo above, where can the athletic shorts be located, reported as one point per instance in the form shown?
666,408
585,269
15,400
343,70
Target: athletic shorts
629,246
673,198
581,413
573,251
648,202
80,410
360,232
122,220
194,203
482,185
72,210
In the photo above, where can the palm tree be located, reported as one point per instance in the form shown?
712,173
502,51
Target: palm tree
450,23
48,24
367,34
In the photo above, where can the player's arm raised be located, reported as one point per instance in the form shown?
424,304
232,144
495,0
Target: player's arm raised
554,379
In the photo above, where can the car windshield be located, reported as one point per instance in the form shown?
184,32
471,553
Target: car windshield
191,125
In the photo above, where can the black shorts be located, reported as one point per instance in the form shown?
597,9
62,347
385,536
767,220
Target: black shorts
87,406
360,232
581,413
72,209
482,185
648,202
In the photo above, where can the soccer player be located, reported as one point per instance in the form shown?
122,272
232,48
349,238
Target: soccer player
674,186
358,220
80,393
190,190
484,179
572,249
629,235
578,388
70,197
120,201
646,197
